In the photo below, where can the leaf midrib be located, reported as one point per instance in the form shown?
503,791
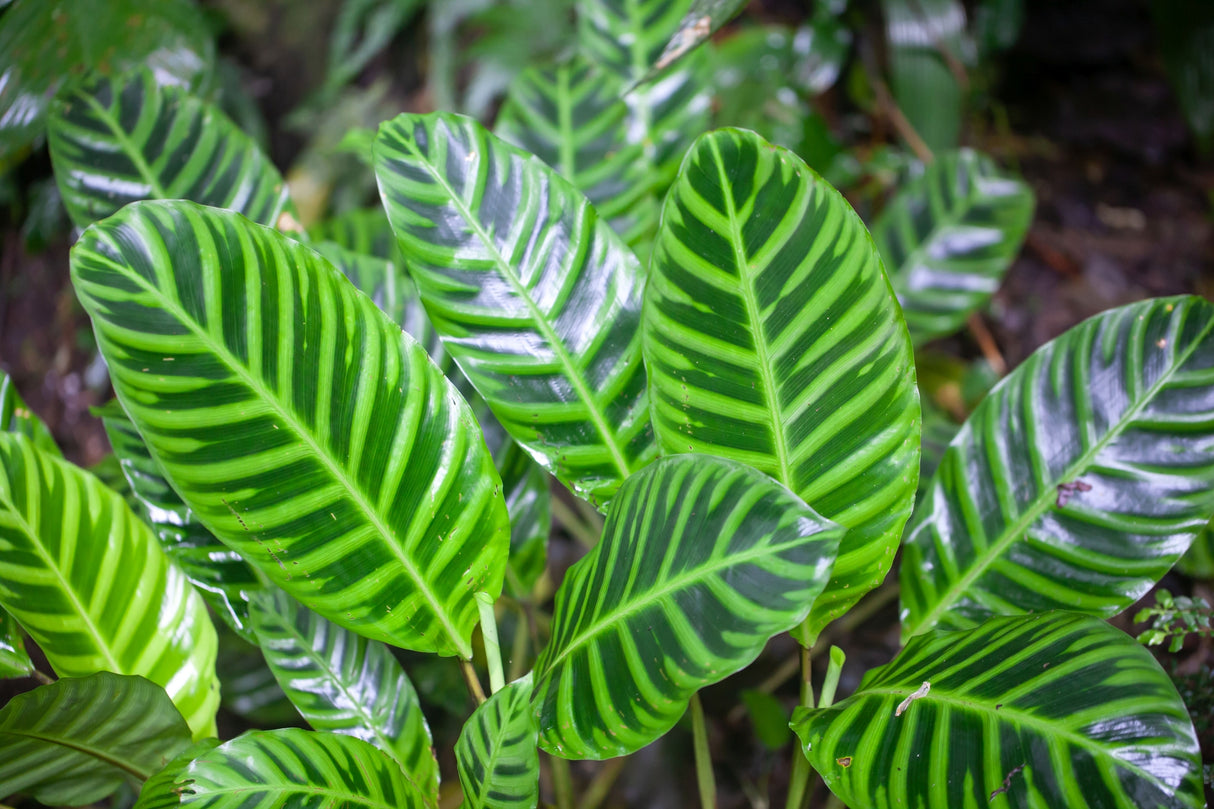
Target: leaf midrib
127,767
1014,532
128,146
383,531
537,316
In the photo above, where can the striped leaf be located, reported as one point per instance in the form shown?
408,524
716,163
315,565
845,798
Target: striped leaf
223,579
248,688
1198,561
572,118
88,582
117,140
772,338
301,426
14,659
918,35
701,561
77,740
157,791
16,417
1079,480
949,236
363,230
344,683
499,765
1047,710
289,768
703,19
666,112
529,501
536,298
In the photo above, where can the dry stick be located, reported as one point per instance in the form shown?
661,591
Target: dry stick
474,682
986,342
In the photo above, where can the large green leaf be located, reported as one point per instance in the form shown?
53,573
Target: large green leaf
75,741
536,298
44,42
225,580
529,501
290,768
499,765
14,659
772,337
626,38
297,421
572,118
90,584
1079,480
1046,711
948,237
157,791
114,141
701,561
923,36
16,417
344,683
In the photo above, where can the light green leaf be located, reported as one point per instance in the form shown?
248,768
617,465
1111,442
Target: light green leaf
43,42
702,560
288,768
537,299
1079,480
75,741
297,421
114,141
16,417
572,118
772,337
499,765
1040,711
223,579
1198,561
949,236
344,683
14,659
90,585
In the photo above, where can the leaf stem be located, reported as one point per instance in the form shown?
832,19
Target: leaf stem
601,785
493,649
474,682
831,683
699,737
562,782
798,781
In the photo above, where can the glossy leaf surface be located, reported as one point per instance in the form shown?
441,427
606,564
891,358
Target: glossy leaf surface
114,141
949,236
89,583
16,417
571,117
281,768
703,19
344,683
224,580
1079,480
14,659
42,42
499,765
301,426
77,740
772,338
701,561
1037,711
536,298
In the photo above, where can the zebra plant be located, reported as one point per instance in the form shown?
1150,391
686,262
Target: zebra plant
740,406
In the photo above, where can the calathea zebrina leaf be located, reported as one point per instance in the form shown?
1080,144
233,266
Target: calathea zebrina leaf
117,140
16,417
499,765
223,579
1042,711
89,583
14,658
535,297
772,337
701,21
288,768
1078,481
701,561
299,423
76,740
948,237
344,683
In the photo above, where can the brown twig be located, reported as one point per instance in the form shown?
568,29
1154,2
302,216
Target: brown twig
474,682
986,342
893,113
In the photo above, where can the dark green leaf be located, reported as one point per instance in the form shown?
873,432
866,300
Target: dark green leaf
1079,480
536,298
997,24
949,236
923,37
344,683
499,765
528,500
157,791
42,42
1198,562
701,561
769,717
1040,711
90,585
298,422
77,740
14,659
1185,32
225,581
114,141
703,19
772,337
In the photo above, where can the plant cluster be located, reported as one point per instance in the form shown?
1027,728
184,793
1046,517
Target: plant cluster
337,439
